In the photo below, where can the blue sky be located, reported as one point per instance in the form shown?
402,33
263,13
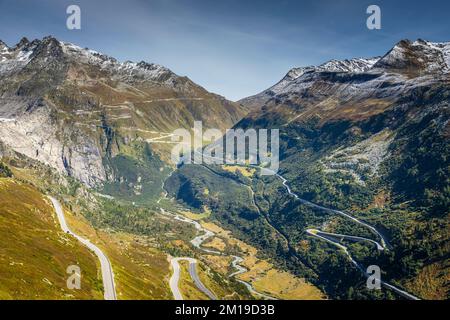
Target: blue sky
235,48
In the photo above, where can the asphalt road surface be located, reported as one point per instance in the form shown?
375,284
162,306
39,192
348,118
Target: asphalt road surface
173,282
107,273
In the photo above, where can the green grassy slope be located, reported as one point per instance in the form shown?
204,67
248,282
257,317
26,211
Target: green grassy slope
35,253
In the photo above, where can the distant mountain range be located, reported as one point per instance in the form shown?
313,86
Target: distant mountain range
368,137
407,58
86,114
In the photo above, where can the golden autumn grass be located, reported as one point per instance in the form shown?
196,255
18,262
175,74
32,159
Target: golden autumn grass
188,289
431,283
35,253
221,288
262,274
215,243
141,271
197,216
245,171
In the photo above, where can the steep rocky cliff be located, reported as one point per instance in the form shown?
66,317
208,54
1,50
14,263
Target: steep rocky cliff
96,119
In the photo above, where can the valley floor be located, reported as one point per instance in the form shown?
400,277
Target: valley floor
129,266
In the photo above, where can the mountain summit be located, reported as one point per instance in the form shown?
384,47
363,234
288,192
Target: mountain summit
418,58
89,116
367,137
406,59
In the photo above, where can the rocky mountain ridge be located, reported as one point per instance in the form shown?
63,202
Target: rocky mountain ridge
91,117
370,140
406,59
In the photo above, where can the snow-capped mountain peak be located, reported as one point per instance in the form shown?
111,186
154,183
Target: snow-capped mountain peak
355,65
17,56
73,104
22,43
406,60
417,57
352,65
23,52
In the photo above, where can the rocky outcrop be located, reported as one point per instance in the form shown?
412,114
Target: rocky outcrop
75,109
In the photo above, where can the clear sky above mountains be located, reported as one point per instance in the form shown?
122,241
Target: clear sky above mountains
232,47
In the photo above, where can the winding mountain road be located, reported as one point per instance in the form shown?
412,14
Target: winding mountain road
329,237
240,269
106,269
325,236
346,237
197,242
174,279
346,215
173,282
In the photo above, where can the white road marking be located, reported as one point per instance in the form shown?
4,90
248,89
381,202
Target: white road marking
107,273
173,282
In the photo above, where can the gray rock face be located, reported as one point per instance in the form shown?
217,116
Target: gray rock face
419,60
37,135
73,108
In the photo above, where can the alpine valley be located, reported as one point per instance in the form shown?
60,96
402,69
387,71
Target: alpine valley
86,179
